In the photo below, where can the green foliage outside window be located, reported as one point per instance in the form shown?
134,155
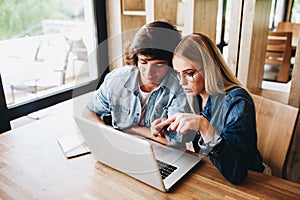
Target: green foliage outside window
296,6
296,11
19,18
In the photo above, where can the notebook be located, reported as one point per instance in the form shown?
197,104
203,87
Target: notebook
73,146
155,164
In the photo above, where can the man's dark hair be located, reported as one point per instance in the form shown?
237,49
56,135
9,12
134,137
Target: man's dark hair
156,40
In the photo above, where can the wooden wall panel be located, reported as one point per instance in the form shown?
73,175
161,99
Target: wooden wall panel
130,25
254,32
114,30
205,17
165,9
133,5
234,35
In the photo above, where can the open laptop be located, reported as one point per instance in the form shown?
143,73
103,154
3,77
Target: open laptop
150,162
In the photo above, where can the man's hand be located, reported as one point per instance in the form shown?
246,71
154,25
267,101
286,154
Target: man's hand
158,131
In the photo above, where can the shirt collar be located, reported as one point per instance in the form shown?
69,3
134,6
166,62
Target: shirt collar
132,81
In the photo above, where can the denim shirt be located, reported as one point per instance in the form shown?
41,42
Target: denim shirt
118,96
235,151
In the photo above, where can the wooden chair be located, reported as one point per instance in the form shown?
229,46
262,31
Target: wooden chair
275,123
290,27
278,53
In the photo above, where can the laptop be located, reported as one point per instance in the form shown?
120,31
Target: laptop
155,164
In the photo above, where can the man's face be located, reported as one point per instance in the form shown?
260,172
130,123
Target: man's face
152,70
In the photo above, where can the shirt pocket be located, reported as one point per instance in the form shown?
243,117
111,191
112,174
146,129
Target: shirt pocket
121,116
159,111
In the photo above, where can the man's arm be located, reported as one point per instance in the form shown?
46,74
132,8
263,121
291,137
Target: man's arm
92,116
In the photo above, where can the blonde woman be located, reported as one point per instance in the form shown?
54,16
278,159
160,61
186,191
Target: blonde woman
224,113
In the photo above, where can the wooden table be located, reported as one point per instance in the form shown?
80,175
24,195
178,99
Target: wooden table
32,166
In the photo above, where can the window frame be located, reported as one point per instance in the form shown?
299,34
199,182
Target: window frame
15,111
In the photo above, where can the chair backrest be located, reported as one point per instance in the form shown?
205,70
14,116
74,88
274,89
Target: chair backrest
278,52
275,123
290,27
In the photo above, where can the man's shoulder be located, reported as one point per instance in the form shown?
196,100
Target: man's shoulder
122,72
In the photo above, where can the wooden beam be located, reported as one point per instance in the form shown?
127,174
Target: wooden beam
234,35
188,17
205,17
254,30
114,30
166,9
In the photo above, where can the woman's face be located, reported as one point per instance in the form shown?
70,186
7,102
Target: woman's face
190,77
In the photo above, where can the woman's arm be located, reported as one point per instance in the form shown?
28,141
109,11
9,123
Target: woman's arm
233,151
236,150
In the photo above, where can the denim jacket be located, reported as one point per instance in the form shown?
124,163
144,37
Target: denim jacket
235,151
118,96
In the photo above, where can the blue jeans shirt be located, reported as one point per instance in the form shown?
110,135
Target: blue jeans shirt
235,151
118,96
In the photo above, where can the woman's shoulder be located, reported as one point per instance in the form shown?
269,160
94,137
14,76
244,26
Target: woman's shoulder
238,93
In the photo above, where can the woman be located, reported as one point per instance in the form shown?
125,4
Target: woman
224,113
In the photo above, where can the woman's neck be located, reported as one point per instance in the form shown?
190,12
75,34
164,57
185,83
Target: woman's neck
204,97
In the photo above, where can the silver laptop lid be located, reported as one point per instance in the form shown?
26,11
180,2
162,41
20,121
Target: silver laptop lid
126,153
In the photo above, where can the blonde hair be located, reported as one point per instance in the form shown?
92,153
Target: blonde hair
200,49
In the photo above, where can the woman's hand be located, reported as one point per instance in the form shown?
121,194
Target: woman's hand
183,122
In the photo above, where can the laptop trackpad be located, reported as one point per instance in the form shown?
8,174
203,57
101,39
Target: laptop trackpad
165,153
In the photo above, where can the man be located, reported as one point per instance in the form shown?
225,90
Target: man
146,89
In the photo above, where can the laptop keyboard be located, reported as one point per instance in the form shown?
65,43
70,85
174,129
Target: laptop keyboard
165,168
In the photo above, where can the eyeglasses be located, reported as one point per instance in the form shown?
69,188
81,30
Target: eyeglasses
189,76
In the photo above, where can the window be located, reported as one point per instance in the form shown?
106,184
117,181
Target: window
45,47
49,52
296,11
282,10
